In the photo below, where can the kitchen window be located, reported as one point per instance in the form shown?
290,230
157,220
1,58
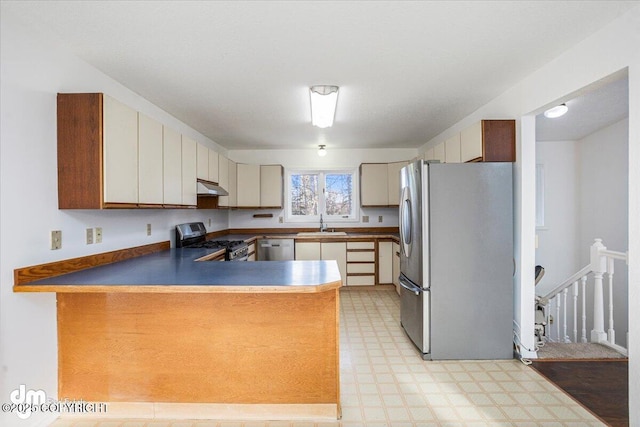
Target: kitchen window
332,193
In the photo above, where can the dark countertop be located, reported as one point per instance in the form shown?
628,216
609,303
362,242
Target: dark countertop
275,235
176,270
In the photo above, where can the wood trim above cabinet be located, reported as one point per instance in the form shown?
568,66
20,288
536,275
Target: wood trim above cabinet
499,140
80,124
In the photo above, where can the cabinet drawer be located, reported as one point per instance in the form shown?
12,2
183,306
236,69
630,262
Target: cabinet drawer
361,256
360,280
360,245
361,268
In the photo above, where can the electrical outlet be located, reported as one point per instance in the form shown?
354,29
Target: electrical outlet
56,239
380,218
365,218
89,236
148,229
98,235
280,219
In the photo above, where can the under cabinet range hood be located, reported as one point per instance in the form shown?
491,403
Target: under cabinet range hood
209,189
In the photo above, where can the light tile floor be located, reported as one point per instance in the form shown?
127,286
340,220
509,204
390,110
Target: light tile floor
385,383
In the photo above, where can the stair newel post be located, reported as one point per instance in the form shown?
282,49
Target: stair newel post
583,283
598,266
574,288
558,304
611,333
565,337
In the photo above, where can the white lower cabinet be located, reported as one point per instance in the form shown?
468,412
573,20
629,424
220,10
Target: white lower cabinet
361,263
385,263
307,251
336,251
396,266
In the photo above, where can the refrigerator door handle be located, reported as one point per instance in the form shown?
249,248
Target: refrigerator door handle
409,286
405,222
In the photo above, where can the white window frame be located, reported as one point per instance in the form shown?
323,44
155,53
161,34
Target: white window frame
355,176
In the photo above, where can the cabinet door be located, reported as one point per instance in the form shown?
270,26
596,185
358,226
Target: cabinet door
308,251
271,186
203,162
248,185
150,161
172,166
120,148
189,176
452,149
213,166
385,262
429,154
396,266
393,179
373,178
233,184
471,142
336,251
439,152
223,179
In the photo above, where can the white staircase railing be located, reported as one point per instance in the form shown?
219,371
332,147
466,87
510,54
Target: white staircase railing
601,263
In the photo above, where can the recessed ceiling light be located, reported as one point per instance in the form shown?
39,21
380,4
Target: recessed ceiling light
555,112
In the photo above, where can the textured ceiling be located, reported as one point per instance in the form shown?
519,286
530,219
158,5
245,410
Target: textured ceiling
239,72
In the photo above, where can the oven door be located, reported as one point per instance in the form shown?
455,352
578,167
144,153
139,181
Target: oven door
241,258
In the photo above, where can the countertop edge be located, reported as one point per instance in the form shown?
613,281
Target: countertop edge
193,289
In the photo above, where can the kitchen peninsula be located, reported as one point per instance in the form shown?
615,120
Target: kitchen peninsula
251,337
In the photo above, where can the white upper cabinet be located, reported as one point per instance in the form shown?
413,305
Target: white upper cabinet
202,155
374,184
172,161
452,149
150,161
120,152
213,165
248,185
393,180
271,181
189,175
223,179
439,153
429,154
471,142
233,184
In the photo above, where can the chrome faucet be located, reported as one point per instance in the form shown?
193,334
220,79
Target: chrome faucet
322,225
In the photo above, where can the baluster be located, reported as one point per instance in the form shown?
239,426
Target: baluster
547,313
558,304
611,333
575,311
598,266
565,337
583,282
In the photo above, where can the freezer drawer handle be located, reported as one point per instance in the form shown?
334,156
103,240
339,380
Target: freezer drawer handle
408,287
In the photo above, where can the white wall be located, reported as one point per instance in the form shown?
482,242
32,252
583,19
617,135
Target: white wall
558,242
308,159
33,72
613,48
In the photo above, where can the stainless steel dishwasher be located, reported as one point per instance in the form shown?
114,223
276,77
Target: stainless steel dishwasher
276,249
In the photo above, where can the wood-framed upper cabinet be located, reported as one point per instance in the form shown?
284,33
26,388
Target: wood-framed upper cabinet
439,153
271,186
233,184
189,172
248,185
489,141
429,154
150,162
373,179
393,180
97,152
172,166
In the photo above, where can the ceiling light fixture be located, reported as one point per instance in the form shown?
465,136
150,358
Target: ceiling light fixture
557,111
322,150
324,100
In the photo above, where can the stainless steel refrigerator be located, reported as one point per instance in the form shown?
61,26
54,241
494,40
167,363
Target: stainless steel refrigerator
456,259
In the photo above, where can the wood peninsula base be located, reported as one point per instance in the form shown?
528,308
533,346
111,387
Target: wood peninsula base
280,350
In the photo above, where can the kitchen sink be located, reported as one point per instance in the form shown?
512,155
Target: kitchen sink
322,233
